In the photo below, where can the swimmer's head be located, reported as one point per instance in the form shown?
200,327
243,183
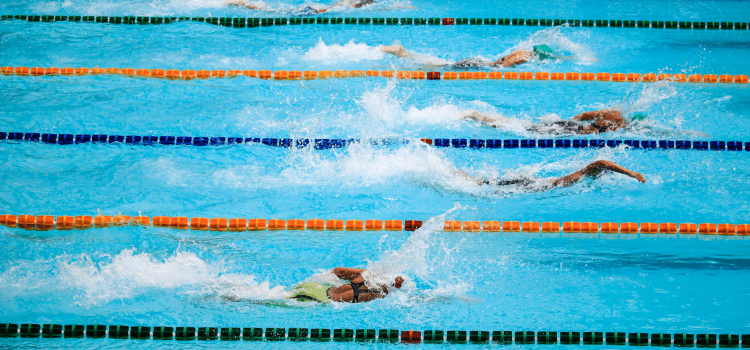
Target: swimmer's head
639,117
397,283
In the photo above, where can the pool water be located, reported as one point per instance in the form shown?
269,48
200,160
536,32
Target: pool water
454,280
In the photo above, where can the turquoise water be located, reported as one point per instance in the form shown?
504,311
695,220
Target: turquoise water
462,281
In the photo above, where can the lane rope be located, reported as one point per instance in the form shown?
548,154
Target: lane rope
242,22
322,144
83,222
701,340
284,75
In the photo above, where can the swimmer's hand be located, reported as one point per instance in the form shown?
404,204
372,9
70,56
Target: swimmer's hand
398,282
638,177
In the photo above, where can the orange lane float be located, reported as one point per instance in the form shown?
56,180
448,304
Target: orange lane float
373,225
557,76
83,222
316,224
511,226
603,77
472,226
218,224
726,230
393,225
619,77
237,225
743,230
633,77
551,227
252,73
372,73
203,74
295,224
198,224
530,227
588,76
492,75
257,225
590,227
668,228
610,227
45,223
26,222
492,226
276,225
8,220
526,76
102,221
541,76
649,228
629,227
688,229
179,223
572,76
452,226
707,229
355,225
65,223
571,227
334,225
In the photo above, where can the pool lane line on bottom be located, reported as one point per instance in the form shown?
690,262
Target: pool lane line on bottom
701,340
82,222
189,74
71,139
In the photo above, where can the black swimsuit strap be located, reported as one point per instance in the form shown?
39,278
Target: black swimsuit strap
357,291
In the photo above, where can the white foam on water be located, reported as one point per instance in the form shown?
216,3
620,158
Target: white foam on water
349,52
562,40
128,275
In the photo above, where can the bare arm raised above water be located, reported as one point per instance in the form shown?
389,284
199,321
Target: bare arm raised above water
594,169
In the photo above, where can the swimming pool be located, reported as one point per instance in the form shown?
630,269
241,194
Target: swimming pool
485,281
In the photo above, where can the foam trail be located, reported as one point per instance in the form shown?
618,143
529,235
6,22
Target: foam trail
349,52
128,275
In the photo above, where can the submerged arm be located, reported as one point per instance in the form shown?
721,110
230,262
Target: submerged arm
595,169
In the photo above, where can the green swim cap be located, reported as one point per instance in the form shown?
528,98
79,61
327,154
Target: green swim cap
639,117
544,52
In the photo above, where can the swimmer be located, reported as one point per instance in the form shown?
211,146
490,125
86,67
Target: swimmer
353,292
540,52
593,170
601,121
305,10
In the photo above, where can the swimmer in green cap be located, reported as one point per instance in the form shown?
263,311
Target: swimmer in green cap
593,122
540,52
353,292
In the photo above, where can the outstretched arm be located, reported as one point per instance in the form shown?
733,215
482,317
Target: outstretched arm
595,169
347,273
608,114
396,50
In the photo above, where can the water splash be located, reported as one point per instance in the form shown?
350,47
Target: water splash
349,52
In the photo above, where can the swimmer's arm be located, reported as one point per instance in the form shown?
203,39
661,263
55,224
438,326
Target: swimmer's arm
475,115
595,169
347,273
463,174
591,115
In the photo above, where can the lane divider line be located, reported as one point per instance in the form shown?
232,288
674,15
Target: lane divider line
320,144
83,222
254,22
701,340
284,75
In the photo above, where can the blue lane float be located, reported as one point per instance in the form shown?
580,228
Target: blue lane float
71,139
